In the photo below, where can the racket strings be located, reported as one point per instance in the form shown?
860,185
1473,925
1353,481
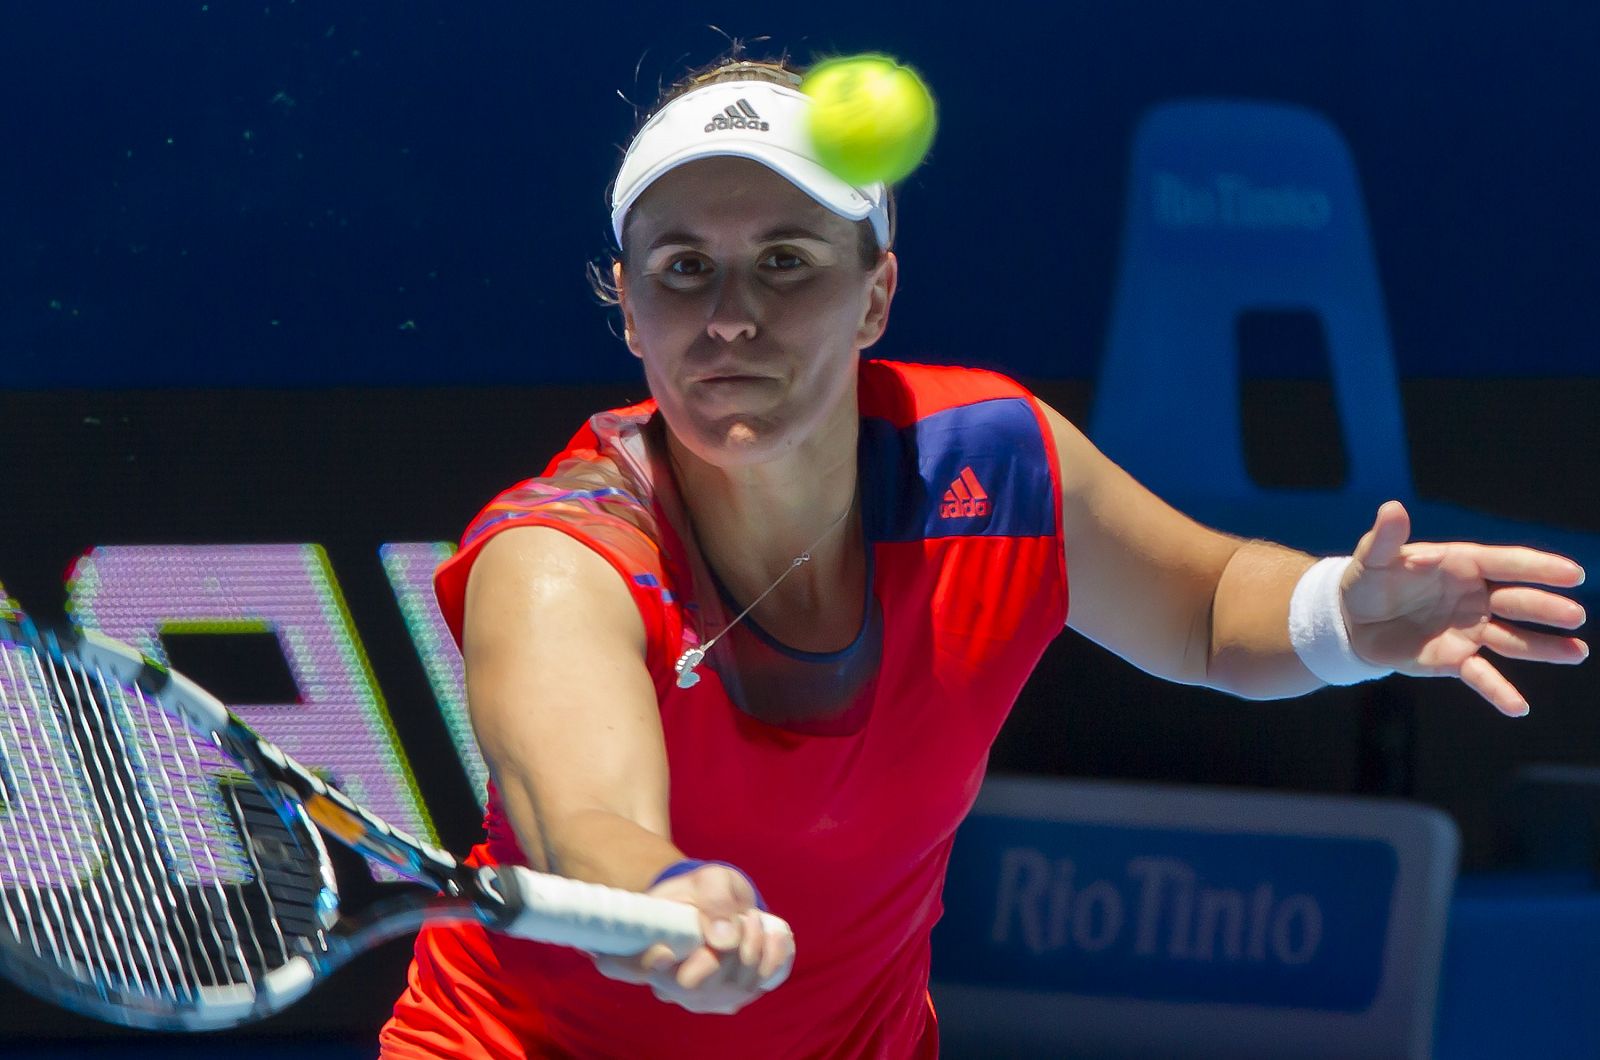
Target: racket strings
153,830
115,919
213,898
128,856
102,952
133,855
214,940
39,902
197,801
230,945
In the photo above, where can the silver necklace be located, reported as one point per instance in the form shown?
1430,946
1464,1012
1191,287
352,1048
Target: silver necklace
686,663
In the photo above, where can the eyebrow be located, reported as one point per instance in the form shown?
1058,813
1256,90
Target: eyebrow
775,235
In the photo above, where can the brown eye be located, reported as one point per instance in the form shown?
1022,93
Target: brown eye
783,261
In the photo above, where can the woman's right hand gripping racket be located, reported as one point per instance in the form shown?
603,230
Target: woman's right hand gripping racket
162,866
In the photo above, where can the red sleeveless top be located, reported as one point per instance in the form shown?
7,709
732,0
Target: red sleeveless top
844,824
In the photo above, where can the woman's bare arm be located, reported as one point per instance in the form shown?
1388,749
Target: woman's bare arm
1171,596
566,715
1198,606
564,708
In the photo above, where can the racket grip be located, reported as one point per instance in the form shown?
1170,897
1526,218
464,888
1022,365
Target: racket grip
596,918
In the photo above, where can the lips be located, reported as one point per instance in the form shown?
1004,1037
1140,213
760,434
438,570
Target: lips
731,377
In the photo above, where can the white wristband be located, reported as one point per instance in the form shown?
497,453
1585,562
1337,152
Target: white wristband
1317,629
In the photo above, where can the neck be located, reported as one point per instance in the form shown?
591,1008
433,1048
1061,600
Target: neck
765,515
752,522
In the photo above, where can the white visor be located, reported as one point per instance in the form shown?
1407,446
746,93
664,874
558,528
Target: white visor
747,119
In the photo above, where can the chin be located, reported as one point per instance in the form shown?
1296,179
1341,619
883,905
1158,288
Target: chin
733,441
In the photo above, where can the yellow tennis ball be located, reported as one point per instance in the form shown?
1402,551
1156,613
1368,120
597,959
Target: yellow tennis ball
871,118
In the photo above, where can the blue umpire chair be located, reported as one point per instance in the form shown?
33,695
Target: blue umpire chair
1238,207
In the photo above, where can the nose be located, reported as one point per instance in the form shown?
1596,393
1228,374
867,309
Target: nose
735,311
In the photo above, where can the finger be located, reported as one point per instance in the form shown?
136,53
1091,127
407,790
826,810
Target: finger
1517,563
1520,604
752,944
721,932
777,960
638,968
1515,643
1417,557
1391,528
1480,675
768,966
698,967
721,895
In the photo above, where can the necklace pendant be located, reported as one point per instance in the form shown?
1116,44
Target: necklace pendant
685,665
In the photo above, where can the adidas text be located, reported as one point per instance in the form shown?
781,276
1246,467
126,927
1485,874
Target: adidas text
739,115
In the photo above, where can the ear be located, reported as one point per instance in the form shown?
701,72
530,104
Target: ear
883,279
628,332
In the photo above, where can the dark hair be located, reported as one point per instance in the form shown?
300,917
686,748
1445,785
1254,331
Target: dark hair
779,71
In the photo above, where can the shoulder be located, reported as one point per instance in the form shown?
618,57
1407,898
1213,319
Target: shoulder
903,393
540,577
598,490
595,495
955,452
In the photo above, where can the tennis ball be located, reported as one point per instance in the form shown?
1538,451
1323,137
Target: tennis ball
871,118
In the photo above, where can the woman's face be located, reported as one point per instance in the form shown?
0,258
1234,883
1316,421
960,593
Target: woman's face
747,302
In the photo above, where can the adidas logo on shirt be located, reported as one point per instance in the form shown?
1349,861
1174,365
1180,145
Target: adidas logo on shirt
740,115
965,498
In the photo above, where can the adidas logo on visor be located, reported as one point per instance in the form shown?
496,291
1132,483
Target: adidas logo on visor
740,115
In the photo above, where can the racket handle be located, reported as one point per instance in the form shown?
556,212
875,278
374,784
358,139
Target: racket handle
596,918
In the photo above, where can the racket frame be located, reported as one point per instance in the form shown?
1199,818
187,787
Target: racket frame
509,899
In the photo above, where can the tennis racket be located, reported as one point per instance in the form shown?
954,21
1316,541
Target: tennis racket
162,866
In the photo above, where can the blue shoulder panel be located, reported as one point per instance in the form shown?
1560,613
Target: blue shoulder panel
978,469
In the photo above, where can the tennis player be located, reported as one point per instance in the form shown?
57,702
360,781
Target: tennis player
747,644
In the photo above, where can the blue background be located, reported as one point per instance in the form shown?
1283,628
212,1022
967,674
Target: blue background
295,193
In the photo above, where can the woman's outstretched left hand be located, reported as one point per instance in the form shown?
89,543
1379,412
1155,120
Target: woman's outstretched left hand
1428,609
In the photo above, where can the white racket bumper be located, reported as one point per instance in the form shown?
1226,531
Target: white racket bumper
200,708
221,1007
111,657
